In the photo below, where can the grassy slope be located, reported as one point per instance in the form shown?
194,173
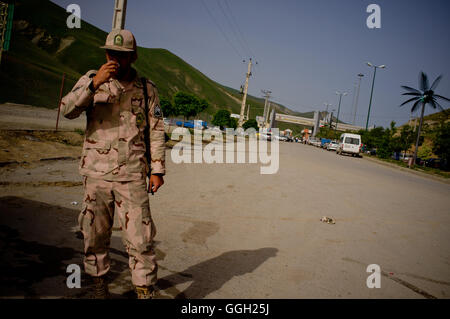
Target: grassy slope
31,74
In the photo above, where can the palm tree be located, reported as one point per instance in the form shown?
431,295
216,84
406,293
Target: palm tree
425,96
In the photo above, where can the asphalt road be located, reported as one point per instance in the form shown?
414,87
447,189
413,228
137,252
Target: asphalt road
226,231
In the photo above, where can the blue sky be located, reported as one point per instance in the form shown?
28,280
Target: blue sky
306,49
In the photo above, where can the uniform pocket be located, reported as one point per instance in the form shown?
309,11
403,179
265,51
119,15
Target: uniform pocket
96,156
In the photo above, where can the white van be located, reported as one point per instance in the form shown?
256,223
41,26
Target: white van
349,144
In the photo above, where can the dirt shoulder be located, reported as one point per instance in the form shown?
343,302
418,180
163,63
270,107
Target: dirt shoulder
27,117
26,147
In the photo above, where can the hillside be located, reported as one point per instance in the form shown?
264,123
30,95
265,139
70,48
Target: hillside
431,120
43,48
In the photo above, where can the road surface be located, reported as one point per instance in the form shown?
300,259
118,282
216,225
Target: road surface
226,231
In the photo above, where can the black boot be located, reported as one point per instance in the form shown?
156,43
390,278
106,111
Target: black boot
144,292
100,288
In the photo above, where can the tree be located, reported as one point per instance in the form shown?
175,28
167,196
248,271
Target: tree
233,122
406,138
188,105
250,123
373,138
167,108
222,118
387,144
424,96
441,146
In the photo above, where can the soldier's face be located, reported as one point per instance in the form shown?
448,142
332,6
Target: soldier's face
125,59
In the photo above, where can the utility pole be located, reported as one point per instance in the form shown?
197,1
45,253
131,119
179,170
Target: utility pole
339,109
269,105
120,11
267,97
244,98
360,75
248,111
371,92
327,105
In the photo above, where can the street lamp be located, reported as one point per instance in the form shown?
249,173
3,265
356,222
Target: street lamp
371,93
339,109
326,112
360,75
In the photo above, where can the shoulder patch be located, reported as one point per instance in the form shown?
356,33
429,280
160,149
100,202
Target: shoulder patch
157,111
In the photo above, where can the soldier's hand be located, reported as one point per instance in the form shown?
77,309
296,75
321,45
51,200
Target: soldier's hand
154,183
106,71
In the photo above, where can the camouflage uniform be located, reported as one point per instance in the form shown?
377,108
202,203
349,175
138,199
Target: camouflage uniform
114,167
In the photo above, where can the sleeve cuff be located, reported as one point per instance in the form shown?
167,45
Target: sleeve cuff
86,95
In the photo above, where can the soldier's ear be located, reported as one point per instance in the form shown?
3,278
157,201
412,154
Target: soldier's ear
134,57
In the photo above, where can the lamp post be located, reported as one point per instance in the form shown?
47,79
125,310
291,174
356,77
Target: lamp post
326,112
331,120
339,108
371,93
360,75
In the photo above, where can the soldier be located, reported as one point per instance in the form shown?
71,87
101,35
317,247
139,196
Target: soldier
114,162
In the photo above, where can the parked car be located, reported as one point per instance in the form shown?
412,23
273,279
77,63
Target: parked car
265,136
436,163
324,141
349,144
420,161
332,146
280,138
193,124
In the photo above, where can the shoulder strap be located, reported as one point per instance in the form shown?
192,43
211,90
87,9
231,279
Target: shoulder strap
147,126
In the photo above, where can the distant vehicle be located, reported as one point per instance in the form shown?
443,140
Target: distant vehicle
332,146
349,144
279,137
289,139
192,124
313,141
324,141
401,157
265,136
188,124
420,161
436,163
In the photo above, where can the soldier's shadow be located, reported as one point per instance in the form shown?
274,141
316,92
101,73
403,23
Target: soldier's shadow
210,275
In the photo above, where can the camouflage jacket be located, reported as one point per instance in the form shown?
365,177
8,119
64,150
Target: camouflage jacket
114,145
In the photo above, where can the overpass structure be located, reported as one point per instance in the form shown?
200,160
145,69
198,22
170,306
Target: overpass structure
310,122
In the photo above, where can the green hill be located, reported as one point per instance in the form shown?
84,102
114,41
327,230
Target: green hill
43,48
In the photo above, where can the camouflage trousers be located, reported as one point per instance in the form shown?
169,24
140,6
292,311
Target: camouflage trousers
130,201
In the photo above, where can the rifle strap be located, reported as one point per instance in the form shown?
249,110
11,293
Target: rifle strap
147,127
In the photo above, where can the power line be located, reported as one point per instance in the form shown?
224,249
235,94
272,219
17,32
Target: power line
221,31
232,27
239,30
